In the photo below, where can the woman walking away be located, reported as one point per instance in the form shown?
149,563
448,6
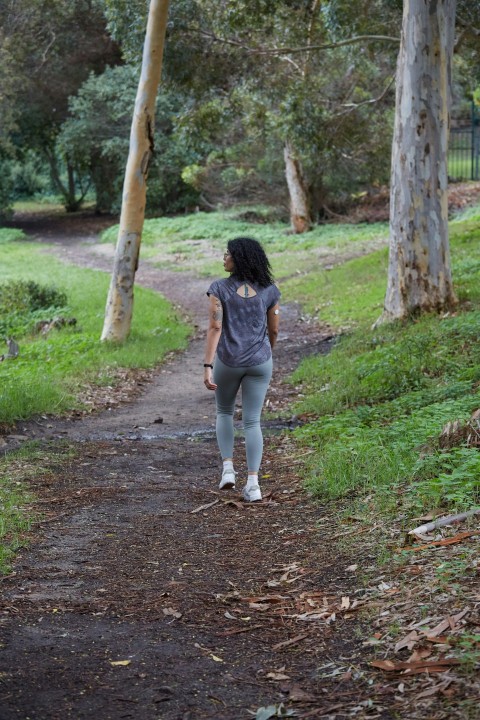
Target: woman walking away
242,330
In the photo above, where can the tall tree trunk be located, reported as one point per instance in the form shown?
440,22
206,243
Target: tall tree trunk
300,216
419,275
118,313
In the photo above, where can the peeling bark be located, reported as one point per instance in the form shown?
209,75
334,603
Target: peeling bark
419,274
119,309
300,216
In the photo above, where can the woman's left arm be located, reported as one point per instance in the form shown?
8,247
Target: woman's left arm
273,322
214,330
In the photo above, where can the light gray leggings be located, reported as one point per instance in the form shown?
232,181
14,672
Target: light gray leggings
254,381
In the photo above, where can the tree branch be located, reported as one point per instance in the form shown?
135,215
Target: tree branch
326,46
289,50
353,106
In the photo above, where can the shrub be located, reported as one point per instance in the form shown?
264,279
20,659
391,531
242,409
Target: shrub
23,303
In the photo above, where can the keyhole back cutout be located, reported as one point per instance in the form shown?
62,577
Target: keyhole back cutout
246,291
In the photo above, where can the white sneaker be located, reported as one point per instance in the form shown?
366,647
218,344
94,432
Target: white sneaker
228,480
252,493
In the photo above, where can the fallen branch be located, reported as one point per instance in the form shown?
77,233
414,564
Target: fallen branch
293,641
446,541
439,665
441,522
205,507
227,633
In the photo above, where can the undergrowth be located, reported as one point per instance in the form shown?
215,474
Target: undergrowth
14,497
52,368
377,404
25,303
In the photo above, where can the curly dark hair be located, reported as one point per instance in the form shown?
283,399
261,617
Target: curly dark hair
250,261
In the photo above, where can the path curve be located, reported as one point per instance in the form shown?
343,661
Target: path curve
176,394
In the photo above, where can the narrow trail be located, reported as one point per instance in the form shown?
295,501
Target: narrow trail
176,394
146,594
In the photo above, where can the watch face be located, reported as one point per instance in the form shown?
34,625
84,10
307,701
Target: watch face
276,312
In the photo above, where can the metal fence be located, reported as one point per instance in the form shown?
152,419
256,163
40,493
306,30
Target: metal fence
464,150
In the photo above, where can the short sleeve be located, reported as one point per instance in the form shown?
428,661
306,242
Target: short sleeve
214,289
274,296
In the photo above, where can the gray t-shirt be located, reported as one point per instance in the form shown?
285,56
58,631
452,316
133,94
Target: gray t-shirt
244,340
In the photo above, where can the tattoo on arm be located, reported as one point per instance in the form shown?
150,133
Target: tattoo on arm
217,314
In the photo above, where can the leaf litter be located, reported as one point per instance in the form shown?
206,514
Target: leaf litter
418,615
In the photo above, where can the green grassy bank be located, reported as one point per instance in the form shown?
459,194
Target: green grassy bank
198,241
378,403
52,369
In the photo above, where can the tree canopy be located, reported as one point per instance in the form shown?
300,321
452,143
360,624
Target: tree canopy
241,81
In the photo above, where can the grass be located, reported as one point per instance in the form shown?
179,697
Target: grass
20,471
460,166
198,241
14,520
378,403
51,370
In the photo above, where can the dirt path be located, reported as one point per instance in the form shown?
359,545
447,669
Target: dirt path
145,593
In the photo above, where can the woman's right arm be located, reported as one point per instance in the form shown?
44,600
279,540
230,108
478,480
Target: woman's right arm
215,317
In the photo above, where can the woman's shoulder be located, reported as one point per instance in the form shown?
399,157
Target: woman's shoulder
219,286
271,295
271,289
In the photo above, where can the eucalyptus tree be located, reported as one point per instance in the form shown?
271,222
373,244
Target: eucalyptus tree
419,272
118,313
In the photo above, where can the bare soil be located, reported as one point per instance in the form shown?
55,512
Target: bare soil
144,592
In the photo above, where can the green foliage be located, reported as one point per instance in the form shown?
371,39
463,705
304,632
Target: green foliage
379,401
126,23
23,303
96,138
47,49
28,175
51,371
14,522
6,189
10,235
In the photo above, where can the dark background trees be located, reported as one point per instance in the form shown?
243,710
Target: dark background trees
48,50
242,82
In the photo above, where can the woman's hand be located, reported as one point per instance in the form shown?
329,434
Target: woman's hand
208,379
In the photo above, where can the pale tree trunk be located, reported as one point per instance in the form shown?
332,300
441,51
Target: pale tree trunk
300,216
419,275
118,313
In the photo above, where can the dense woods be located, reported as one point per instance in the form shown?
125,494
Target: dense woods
266,101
